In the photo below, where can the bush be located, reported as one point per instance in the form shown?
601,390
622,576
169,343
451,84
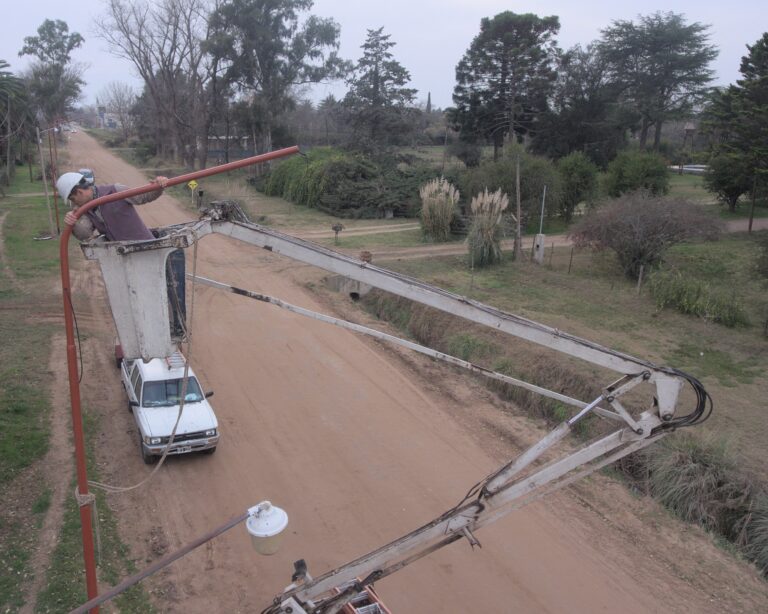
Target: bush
438,205
728,179
535,173
755,534
698,480
347,185
640,227
632,171
469,153
694,297
578,176
485,231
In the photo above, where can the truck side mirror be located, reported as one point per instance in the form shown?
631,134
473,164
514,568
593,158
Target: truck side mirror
209,394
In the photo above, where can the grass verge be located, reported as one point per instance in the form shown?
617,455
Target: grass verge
29,316
25,284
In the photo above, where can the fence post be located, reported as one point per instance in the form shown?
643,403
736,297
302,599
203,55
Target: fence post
570,262
640,278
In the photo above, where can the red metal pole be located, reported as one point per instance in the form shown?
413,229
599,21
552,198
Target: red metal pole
74,384
77,420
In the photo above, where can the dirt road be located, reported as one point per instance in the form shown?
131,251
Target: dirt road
360,445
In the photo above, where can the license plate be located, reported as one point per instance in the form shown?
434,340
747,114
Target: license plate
183,449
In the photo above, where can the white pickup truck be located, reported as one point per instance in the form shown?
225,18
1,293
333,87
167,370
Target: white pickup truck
154,390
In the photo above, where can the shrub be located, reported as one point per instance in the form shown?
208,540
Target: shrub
535,173
698,480
755,534
578,176
438,204
694,297
727,178
485,232
469,153
632,171
640,227
346,184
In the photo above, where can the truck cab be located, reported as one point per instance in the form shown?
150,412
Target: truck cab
154,392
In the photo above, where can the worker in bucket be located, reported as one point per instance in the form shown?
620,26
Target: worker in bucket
117,221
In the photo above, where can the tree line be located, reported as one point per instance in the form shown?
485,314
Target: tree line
239,69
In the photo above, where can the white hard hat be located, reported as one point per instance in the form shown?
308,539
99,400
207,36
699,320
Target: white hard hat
67,182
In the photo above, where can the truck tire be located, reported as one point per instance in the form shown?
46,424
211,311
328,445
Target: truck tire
209,450
149,459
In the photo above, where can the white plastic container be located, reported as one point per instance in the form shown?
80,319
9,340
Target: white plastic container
265,523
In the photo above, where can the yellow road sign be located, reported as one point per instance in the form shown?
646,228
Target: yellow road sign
192,184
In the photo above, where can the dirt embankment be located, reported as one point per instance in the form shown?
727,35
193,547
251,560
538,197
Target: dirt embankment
360,444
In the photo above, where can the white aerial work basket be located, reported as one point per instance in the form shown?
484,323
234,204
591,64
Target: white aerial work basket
140,284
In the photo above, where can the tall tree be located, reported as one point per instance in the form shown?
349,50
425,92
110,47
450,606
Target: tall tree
584,114
119,99
379,105
163,41
662,64
14,114
738,117
266,53
505,77
55,82
53,43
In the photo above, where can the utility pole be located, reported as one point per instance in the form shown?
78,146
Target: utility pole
45,183
518,231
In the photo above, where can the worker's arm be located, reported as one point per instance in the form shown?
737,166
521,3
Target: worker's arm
83,228
148,197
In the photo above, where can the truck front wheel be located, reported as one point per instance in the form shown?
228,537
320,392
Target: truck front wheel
149,459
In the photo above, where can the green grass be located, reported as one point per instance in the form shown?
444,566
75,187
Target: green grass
468,347
405,238
65,580
728,267
704,362
24,384
690,187
743,209
24,379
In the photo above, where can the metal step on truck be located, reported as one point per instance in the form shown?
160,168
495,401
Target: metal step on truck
155,390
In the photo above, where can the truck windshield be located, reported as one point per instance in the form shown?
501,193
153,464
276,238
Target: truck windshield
168,392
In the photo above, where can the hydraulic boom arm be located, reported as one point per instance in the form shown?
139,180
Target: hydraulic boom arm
136,288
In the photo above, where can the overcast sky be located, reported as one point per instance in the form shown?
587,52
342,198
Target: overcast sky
430,35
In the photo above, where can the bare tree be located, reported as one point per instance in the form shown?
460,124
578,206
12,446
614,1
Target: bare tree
163,40
119,99
639,228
